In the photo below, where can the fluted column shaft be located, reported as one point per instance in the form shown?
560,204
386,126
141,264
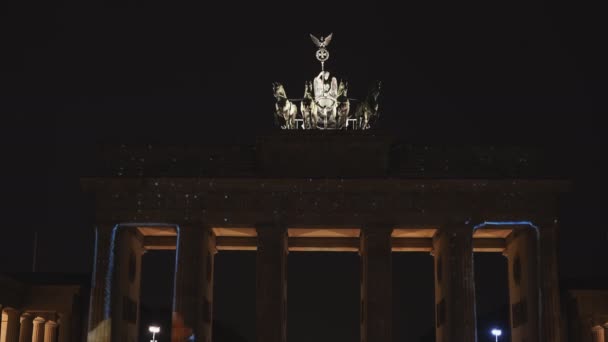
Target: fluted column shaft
38,330
550,302
192,300
522,254
376,283
205,298
99,329
454,284
26,327
65,328
50,331
114,308
271,283
10,325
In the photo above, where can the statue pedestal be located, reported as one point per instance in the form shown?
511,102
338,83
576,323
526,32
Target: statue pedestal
323,153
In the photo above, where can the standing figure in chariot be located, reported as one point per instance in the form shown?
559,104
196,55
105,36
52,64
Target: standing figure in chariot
326,94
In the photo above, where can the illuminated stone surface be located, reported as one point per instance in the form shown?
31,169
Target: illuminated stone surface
328,192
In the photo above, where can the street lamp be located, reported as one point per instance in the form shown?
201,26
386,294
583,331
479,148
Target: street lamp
154,330
496,333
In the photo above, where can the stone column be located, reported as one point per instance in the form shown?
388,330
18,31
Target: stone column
65,328
38,330
597,333
99,329
192,297
126,282
115,285
10,325
522,254
550,303
50,331
26,327
206,288
271,283
605,332
376,283
454,284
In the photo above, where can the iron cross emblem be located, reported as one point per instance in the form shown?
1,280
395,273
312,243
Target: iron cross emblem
322,54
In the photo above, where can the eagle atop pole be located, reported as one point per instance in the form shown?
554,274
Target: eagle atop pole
322,53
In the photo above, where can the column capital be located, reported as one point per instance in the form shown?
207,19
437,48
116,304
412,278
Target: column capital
379,225
50,323
211,240
270,227
39,320
197,225
457,227
453,229
271,234
548,227
105,226
11,312
377,229
26,316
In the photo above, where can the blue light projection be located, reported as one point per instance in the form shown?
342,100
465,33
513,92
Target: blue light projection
109,275
505,223
111,260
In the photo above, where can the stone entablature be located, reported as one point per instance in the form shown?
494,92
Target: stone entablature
341,154
321,201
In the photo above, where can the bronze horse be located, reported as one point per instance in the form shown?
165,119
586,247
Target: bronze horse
343,105
308,107
367,111
284,108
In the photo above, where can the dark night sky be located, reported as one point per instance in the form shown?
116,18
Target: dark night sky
74,74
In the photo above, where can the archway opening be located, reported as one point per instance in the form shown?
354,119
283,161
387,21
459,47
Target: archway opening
492,296
324,296
158,268
234,298
413,297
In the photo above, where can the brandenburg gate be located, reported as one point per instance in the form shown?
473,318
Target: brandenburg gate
312,191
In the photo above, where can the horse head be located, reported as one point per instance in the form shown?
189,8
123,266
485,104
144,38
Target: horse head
343,88
278,89
342,92
374,92
307,89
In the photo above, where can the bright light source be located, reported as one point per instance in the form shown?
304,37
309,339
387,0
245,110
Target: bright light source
154,329
496,332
